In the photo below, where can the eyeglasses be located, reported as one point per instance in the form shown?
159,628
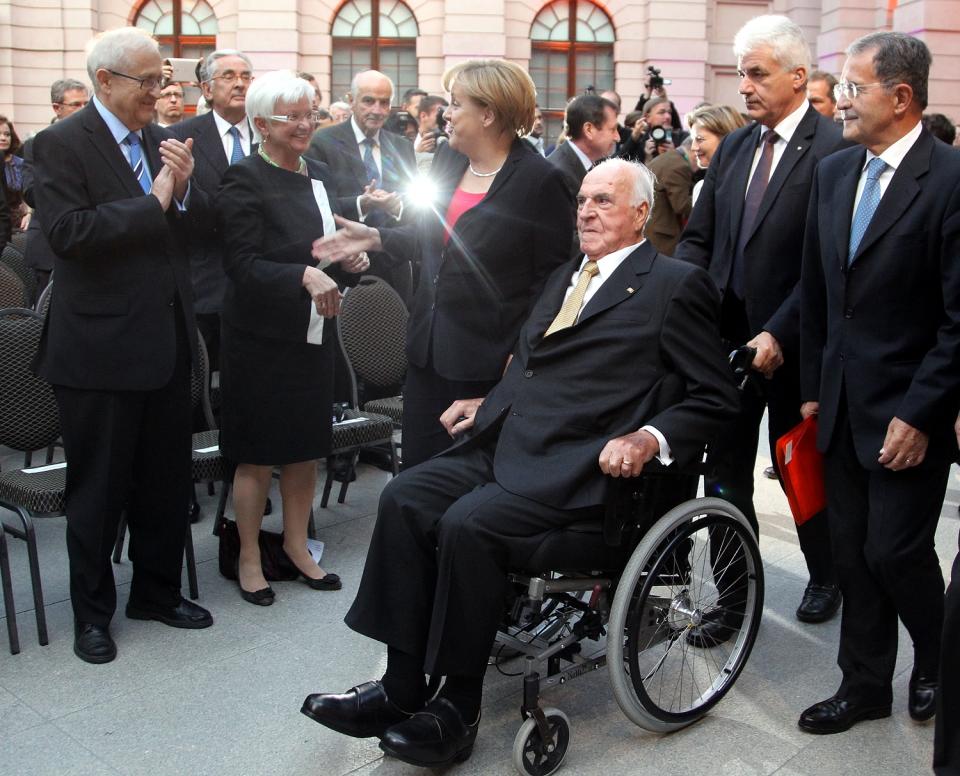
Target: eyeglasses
74,104
294,118
230,77
850,90
147,84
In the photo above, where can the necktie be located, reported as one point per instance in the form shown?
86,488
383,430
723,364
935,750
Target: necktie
237,153
751,206
373,172
136,162
869,200
571,307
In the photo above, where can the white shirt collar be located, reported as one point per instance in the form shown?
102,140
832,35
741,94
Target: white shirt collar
117,128
894,154
607,264
358,133
224,126
788,126
584,159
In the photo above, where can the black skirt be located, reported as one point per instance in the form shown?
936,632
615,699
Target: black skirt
277,398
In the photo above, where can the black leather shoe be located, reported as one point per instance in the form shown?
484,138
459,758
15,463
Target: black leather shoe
362,711
93,643
326,582
834,715
819,603
922,703
185,614
715,629
437,735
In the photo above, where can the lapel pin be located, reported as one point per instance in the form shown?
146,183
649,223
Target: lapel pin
799,148
629,290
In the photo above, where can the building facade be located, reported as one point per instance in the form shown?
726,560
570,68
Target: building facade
567,45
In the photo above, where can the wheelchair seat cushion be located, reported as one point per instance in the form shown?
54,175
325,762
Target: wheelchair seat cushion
577,547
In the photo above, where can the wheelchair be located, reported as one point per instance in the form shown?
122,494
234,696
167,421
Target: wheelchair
661,564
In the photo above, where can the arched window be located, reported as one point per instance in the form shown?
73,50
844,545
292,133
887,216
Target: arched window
572,49
184,28
374,35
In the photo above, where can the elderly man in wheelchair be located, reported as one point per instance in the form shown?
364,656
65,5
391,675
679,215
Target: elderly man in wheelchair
618,364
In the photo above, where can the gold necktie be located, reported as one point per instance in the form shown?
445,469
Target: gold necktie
571,307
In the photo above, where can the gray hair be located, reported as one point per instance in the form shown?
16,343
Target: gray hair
209,67
790,47
356,81
112,49
641,179
340,105
58,89
898,59
278,86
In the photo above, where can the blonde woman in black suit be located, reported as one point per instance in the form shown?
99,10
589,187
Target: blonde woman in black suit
277,356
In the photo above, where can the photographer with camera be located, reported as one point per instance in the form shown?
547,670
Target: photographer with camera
653,134
431,130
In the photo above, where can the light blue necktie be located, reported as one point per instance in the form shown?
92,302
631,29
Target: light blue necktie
867,206
136,162
237,154
373,172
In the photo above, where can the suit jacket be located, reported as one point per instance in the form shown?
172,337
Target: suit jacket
773,252
565,159
120,260
672,200
206,255
269,219
885,331
644,351
476,290
37,252
337,147
6,226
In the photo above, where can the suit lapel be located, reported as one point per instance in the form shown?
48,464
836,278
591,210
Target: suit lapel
901,191
108,148
741,179
622,284
551,299
210,145
843,196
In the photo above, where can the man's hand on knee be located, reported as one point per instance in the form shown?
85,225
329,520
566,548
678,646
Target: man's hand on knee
458,417
627,455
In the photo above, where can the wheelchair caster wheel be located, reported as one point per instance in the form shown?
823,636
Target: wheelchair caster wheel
536,757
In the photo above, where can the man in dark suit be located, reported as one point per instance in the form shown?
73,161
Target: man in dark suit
67,96
673,197
881,345
581,401
371,169
220,137
747,231
592,135
117,344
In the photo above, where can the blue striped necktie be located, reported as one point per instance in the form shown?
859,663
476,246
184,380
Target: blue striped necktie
237,154
869,200
136,162
373,172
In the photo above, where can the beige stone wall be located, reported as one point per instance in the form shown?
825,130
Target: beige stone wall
42,40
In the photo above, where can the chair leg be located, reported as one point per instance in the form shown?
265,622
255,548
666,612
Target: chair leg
394,458
121,535
327,486
50,451
191,564
220,519
210,488
27,459
346,480
10,610
31,536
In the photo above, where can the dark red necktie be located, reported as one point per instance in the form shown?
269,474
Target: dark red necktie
751,206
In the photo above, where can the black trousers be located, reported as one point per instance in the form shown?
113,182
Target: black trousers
435,580
882,526
127,450
946,743
426,395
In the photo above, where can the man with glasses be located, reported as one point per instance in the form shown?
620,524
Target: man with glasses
114,190
881,350
221,137
747,231
170,105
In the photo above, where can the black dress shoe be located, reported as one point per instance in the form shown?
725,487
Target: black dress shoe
93,643
326,582
362,712
717,627
819,603
437,735
834,715
770,473
185,614
922,703
262,597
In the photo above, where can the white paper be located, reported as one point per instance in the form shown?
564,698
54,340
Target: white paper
207,449
316,550
349,420
787,453
315,326
48,468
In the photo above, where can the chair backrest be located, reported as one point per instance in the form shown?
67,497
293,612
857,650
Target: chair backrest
28,410
372,325
13,258
19,241
200,383
43,303
12,292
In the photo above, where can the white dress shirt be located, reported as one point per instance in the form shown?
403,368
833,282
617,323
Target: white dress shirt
584,159
606,266
378,160
223,129
785,131
893,156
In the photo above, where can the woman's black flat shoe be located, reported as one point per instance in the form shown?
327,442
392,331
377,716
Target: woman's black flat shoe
327,582
263,597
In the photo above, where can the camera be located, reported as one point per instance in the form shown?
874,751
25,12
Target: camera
441,123
659,135
656,80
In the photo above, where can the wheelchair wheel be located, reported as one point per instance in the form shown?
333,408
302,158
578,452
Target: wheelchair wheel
697,568
533,756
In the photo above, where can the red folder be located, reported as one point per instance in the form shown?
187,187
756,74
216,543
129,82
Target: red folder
801,468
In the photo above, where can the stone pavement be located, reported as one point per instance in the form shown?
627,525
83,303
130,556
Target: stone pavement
225,701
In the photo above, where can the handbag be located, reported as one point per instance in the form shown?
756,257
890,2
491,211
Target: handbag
277,567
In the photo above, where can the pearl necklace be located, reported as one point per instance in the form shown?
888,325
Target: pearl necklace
485,174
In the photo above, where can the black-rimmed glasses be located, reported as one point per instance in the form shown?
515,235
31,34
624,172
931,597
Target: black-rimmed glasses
147,84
